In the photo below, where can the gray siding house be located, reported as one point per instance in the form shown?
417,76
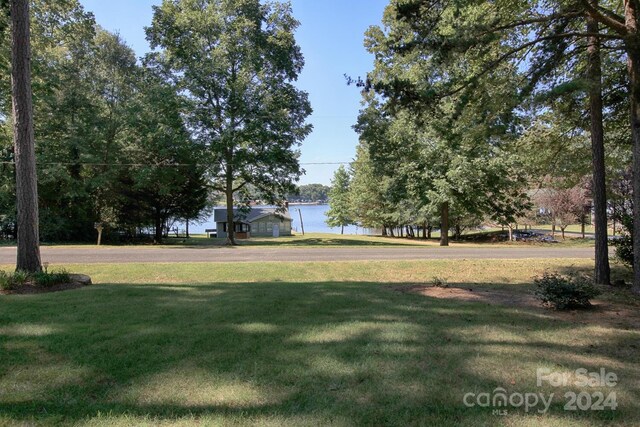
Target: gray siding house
258,222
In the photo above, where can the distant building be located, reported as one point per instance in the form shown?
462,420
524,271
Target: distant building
259,222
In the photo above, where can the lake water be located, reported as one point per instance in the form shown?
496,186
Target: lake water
313,216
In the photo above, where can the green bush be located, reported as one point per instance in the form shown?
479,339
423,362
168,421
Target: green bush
624,244
46,279
6,284
624,249
439,282
9,281
20,278
565,292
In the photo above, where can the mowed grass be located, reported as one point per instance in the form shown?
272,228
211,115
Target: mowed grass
290,344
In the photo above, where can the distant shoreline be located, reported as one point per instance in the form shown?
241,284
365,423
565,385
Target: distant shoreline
308,203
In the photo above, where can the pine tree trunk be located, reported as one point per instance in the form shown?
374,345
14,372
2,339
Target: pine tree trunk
26,176
187,229
635,122
444,227
631,22
602,275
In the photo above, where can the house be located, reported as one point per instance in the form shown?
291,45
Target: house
258,222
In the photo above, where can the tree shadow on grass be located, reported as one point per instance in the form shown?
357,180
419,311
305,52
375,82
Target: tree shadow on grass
288,353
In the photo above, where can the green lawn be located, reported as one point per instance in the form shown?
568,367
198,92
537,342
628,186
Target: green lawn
298,344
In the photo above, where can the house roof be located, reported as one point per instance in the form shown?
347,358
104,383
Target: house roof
220,215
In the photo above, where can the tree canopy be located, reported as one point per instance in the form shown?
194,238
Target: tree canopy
237,67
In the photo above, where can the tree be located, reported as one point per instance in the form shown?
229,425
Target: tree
566,205
237,66
439,160
461,43
367,193
312,193
110,134
339,213
599,190
168,181
25,156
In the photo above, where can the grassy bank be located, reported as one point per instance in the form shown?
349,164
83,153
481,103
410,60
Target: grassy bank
297,344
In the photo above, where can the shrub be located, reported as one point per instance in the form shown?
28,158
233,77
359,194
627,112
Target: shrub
624,249
9,281
624,244
6,284
20,278
439,282
46,279
565,292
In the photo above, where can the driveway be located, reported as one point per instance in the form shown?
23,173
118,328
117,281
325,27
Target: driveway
94,255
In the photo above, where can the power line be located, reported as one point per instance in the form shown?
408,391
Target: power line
153,164
326,163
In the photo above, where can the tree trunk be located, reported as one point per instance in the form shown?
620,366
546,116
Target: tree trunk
342,230
158,229
602,275
444,227
187,229
633,52
429,231
510,233
231,240
26,176
635,122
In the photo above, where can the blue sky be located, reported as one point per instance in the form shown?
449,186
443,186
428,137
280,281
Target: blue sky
331,35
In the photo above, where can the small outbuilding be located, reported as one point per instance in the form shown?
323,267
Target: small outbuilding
258,222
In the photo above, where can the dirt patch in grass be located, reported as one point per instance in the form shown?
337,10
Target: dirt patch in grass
606,313
77,281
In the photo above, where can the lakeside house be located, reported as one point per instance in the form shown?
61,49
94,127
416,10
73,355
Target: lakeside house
258,222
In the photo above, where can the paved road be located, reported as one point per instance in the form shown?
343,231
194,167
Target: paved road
91,255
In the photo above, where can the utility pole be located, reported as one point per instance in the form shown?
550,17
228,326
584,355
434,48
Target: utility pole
301,223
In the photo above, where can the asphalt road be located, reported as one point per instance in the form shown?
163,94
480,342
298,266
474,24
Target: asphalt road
93,255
